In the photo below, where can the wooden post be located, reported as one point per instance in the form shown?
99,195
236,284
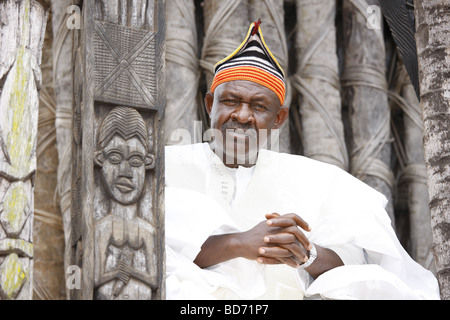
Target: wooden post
317,81
365,95
271,13
118,172
182,73
226,24
62,78
22,25
48,235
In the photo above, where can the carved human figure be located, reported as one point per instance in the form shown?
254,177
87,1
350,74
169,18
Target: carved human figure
125,266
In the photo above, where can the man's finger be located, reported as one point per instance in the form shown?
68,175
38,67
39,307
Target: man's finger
288,261
272,215
299,253
287,220
266,260
280,238
274,252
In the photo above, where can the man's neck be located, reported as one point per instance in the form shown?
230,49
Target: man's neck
232,161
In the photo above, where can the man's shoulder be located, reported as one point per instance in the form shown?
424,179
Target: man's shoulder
289,162
328,178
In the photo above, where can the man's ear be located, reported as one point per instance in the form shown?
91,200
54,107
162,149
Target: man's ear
150,162
98,158
282,116
209,101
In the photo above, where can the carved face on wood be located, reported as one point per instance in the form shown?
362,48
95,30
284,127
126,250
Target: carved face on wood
123,169
124,156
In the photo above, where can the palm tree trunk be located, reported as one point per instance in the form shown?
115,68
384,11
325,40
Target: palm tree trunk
433,48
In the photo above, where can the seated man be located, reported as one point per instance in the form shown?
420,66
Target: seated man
243,222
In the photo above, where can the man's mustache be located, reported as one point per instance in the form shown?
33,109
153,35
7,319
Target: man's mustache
237,126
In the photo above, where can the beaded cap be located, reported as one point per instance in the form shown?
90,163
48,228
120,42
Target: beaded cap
252,61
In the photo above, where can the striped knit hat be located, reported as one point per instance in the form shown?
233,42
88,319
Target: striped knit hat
252,61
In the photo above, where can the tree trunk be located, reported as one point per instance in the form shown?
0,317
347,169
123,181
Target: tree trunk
365,96
22,26
182,72
433,47
317,81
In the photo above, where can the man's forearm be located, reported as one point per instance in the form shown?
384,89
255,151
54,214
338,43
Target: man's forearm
326,260
224,247
217,249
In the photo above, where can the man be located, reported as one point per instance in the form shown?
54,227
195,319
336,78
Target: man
243,222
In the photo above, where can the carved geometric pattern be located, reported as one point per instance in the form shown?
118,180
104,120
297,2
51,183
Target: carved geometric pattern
124,65
13,271
16,209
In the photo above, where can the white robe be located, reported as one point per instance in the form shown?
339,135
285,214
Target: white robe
345,215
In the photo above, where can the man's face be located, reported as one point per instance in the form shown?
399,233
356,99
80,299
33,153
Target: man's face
123,169
243,112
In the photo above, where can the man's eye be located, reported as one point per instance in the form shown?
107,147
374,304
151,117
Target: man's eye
260,107
115,158
136,161
229,102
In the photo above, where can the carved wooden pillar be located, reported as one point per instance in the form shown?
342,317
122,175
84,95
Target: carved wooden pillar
118,173
22,28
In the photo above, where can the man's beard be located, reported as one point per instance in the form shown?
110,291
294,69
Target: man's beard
240,143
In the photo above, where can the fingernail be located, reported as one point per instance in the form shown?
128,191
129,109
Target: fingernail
266,239
261,250
269,222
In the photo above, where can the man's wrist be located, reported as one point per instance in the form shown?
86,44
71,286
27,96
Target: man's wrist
312,257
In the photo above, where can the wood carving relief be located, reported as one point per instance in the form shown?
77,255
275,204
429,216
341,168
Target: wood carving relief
22,28
118,173
125,241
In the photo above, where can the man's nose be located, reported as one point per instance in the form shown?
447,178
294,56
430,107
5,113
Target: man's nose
244,114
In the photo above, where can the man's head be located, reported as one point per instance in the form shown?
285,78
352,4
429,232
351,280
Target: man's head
243,113
246,100
123,154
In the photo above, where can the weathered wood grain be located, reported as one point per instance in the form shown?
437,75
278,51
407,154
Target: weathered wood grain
22,34
118,150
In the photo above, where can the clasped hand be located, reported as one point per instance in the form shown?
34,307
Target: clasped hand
278,240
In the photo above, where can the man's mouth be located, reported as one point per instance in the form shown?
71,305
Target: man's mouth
241,133
124,185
